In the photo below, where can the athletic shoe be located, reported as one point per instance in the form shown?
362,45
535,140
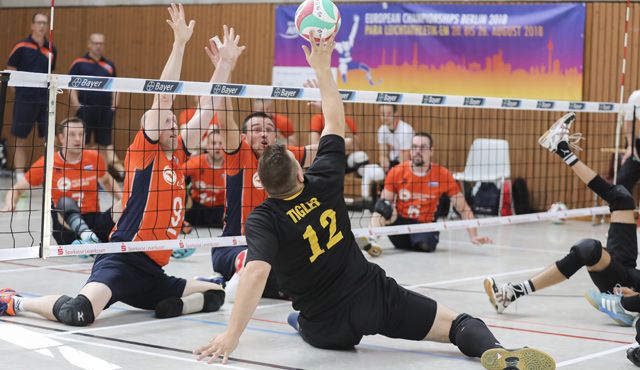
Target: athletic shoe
517,359
369,245
500,297
610,304
93,239
232,287
6,302
292,319
215,278
559,132
633,354
182,253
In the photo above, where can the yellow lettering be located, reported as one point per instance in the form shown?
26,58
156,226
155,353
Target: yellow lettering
293,216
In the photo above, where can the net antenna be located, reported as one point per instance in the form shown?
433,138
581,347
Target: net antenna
52,80
622,76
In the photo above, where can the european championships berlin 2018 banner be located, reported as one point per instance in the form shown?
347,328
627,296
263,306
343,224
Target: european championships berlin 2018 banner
523,51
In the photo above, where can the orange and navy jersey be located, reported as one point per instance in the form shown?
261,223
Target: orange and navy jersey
417,196
283,124
153,197
207,182
244,191
87,66
187,114
78,181
28,56
317,124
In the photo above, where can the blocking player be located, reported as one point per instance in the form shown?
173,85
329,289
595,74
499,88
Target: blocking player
411,194
75,212
205,206
284,126
303,231
153,198
243,147
608,265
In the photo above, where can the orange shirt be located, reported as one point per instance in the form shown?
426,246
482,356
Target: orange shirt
418,196
207,183
78,181
244,191
283,124
317,124
187,114
154,194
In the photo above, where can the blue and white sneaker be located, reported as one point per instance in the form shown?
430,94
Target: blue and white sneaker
92,239
182,253
215,278
292,319
610,304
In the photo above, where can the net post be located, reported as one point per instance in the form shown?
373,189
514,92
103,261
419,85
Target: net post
45,241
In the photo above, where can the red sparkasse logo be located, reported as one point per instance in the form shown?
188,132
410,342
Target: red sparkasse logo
180,243
123,247
60,252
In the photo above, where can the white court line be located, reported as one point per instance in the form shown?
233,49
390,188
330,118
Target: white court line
87,264
472,278
593,355
501,246
152,354
154,321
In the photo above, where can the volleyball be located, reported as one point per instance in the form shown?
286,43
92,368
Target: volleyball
558,207
320,16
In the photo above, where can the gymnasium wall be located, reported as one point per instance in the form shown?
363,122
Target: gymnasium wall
138,40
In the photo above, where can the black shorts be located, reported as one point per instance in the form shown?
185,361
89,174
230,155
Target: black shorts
98,120
25,114
135,279
409,241
622,245
199,215
101,223
382,307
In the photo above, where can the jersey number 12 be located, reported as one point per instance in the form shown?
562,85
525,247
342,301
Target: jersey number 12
327,218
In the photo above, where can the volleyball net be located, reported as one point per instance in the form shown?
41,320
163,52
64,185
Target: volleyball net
488,146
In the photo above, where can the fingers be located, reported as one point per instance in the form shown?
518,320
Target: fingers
225,33
180,11
192,24
225,359
232,34
307,53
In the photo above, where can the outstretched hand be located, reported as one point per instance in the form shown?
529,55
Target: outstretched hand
221,345
481,240
181,31
319,56
228,52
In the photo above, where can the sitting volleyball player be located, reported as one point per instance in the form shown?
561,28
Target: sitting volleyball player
411,194
341,296
75,211
607,266
152,211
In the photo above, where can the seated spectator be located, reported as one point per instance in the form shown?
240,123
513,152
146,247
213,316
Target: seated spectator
394,137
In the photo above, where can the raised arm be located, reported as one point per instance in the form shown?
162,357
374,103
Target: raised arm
354,30
162,103
319,58
224,59
14,194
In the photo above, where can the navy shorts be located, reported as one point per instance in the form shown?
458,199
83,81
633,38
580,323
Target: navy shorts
100,223
199,215
381,307
25,114
135,279
410,241
99,121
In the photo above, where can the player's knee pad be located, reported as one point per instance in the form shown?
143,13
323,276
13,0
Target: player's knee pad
587,252
471,335
384,208
67,206
424,246
76,311
213,300
169,307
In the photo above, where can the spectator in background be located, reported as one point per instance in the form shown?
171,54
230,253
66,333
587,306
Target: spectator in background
394,137
96,108
286,131
30,54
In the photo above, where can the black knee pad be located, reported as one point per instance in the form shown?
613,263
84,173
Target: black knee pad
471,335
587,252
76,311
67,206
621,199
423,246
170,307
213,300
384,208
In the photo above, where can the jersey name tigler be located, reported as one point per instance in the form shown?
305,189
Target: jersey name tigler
299,211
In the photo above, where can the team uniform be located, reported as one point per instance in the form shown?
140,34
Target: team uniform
307,240
153,209
78,181
207,192
30,103
399,139
283,124
95,112
630,170
244,194
417,199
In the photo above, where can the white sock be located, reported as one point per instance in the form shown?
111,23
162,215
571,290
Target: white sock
192,303
18,304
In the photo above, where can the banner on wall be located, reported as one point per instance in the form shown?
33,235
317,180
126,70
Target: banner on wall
522,50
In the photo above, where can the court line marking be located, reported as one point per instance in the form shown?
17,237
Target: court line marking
559,334
504,246
593,355
473,278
